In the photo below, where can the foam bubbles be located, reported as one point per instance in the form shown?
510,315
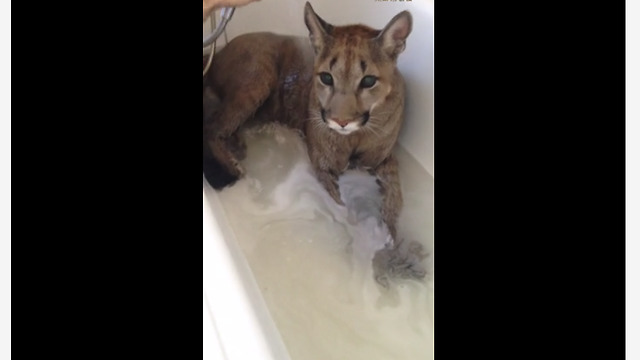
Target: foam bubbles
312,258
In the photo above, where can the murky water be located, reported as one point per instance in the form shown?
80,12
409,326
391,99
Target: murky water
312,258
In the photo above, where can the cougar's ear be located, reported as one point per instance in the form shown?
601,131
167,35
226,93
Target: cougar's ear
392,38
319,29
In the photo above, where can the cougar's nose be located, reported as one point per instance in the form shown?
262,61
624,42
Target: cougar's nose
341,122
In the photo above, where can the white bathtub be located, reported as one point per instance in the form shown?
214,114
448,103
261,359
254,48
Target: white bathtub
237,324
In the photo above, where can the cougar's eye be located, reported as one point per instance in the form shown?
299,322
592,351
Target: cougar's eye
326,78
368,81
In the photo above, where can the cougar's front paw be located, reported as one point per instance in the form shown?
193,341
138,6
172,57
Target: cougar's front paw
335,194
403,262
330,184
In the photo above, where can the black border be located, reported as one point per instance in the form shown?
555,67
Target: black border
529,148
529,157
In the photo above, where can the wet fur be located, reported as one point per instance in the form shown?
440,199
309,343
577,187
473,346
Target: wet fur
263,77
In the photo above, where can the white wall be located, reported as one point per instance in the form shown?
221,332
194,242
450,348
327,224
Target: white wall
416,63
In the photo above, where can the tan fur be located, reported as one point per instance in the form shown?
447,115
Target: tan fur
265,77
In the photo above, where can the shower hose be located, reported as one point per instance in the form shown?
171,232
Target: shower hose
218,29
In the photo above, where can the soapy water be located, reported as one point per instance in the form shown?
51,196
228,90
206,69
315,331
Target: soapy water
312,258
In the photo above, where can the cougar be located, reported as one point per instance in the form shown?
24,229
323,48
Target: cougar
341,89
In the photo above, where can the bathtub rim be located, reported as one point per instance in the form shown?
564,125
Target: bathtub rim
235,314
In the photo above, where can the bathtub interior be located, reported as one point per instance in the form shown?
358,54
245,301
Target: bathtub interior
256,300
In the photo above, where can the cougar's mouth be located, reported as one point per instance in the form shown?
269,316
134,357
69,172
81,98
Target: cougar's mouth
344,129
